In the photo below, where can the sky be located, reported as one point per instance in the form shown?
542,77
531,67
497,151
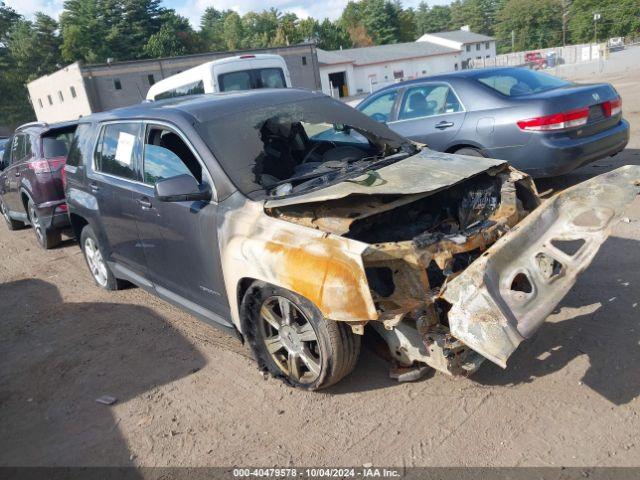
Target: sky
193,9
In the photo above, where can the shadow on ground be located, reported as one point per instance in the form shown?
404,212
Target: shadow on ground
59,357
630,156
603,312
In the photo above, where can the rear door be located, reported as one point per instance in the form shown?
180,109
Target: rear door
112,181
179,238
429,113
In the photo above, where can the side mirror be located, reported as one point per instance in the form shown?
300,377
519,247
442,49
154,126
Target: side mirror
183,188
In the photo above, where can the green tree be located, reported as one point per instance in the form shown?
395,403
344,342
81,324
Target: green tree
175,37
15,107
212,29
535,24
233,31
431,20
617,19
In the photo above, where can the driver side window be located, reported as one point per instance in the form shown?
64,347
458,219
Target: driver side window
427,101
379,109
166,156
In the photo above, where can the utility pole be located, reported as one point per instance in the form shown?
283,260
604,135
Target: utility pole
596,17
513,40
564,28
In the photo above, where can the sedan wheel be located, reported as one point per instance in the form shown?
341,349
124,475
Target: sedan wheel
290,339
96,262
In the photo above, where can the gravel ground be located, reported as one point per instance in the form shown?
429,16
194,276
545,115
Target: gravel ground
188,395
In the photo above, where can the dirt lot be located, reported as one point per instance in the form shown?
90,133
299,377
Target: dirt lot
188,395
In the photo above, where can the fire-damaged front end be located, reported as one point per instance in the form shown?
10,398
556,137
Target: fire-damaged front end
461,259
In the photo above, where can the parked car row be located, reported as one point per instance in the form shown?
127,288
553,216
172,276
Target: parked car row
541,124
293,221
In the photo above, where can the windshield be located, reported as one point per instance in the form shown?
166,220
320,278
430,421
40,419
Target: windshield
517,82
294,147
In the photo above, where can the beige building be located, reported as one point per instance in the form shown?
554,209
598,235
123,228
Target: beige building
78,90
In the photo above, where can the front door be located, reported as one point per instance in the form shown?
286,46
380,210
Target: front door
179,238
112,180
430,114
11,196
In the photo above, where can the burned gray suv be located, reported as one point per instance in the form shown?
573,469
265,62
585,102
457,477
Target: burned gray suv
296,222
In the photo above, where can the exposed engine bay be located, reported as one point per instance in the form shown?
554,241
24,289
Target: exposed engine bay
417,244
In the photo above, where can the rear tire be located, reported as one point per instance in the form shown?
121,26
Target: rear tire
47,237
11,223
470,152
306,351
100,271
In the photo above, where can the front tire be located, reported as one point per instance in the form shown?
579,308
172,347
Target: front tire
47,238
96,262
293,341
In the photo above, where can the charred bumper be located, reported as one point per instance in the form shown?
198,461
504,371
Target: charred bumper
507,293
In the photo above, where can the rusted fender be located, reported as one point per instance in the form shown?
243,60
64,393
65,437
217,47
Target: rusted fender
326,269
507,293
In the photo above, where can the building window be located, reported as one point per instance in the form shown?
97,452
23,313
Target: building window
486,46
468,48
456,67
50,99
151,79
73,92
117,84
60,96
424,72
478,58
488,56
477,46
304,60
40,103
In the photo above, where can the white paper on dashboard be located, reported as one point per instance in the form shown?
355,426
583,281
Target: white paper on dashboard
124,151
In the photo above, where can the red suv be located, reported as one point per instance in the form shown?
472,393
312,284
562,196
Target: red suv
535,60
31,180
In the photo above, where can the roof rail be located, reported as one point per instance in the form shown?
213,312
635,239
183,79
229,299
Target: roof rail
32,124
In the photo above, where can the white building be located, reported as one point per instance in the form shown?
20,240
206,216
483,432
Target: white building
473,46
355,71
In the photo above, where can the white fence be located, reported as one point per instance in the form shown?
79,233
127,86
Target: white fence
569,54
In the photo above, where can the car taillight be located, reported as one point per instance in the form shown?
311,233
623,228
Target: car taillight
247,56
62,208
47,166
39,166
612,107
557,121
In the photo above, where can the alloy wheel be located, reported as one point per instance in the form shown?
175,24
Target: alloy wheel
35,223
95,261
290,339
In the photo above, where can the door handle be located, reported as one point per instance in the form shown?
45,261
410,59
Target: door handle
444,124
144,203
94,187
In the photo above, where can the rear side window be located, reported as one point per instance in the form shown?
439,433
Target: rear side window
56,145
18,149
117,151
79,145
427,101
194,88
520,82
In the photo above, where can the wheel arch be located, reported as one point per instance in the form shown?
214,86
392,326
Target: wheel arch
466,144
